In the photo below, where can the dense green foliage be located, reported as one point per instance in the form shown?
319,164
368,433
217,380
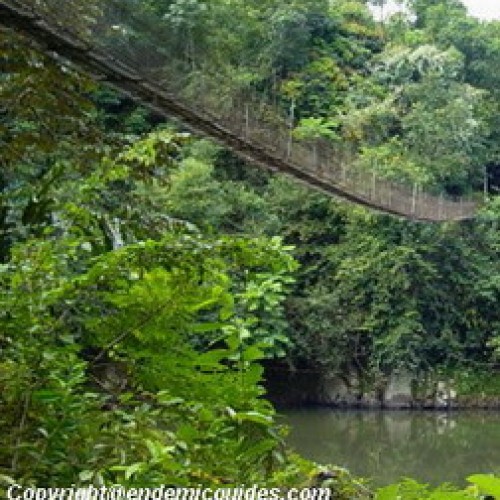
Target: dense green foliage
145,275
482,486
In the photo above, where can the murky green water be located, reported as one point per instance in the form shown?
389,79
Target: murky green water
431,447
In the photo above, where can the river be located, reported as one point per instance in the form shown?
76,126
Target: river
431,447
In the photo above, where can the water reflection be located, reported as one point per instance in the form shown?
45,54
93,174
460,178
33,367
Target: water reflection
428,446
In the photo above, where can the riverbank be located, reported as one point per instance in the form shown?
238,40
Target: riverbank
400,390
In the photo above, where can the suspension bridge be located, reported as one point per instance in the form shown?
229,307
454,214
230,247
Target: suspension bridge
245,123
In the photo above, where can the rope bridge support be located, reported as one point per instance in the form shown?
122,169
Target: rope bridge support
251,137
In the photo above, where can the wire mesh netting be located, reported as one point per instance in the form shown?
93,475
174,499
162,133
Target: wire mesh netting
132,48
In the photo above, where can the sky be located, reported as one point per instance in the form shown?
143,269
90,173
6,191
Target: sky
483,9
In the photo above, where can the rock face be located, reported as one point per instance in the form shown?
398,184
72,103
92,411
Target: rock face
400,390
336,391
446,395
398,393
347,392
